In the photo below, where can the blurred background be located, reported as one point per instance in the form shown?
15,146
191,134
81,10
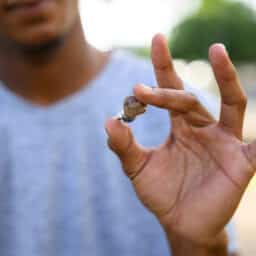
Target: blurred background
191,26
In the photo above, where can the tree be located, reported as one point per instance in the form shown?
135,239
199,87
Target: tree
221,21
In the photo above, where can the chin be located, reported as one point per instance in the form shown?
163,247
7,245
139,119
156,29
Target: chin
45,35
39,39
39,35
42,46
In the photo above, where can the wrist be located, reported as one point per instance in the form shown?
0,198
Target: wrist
182,246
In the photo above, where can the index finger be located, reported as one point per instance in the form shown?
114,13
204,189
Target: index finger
166,75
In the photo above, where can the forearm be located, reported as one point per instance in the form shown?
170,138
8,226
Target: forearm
182,247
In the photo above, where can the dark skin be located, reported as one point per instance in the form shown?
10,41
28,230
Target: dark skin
45,58
33,57
194,181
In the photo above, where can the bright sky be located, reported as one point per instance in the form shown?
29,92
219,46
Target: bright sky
132,22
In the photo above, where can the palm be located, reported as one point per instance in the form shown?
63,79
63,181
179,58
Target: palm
195,180
191,178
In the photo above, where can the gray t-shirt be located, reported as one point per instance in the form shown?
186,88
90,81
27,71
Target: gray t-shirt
62,192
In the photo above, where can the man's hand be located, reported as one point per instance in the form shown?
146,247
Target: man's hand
194,181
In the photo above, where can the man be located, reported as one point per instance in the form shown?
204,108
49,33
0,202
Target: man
61,191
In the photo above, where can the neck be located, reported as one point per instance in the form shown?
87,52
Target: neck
44,76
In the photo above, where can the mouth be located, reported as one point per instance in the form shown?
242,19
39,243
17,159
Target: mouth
25,6
16,4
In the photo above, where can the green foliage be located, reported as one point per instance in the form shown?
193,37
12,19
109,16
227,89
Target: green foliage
233,24
212,7
141,51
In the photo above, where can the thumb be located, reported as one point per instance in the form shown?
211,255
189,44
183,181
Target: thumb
121,141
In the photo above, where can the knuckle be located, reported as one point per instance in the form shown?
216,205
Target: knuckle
230,75
164,97
249,153
240,101
193,100
164,93
163,66
243,101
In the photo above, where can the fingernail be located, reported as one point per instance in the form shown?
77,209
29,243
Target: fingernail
108,124
223,47
107,129
146,89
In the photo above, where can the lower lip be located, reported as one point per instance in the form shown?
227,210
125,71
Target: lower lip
33,9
